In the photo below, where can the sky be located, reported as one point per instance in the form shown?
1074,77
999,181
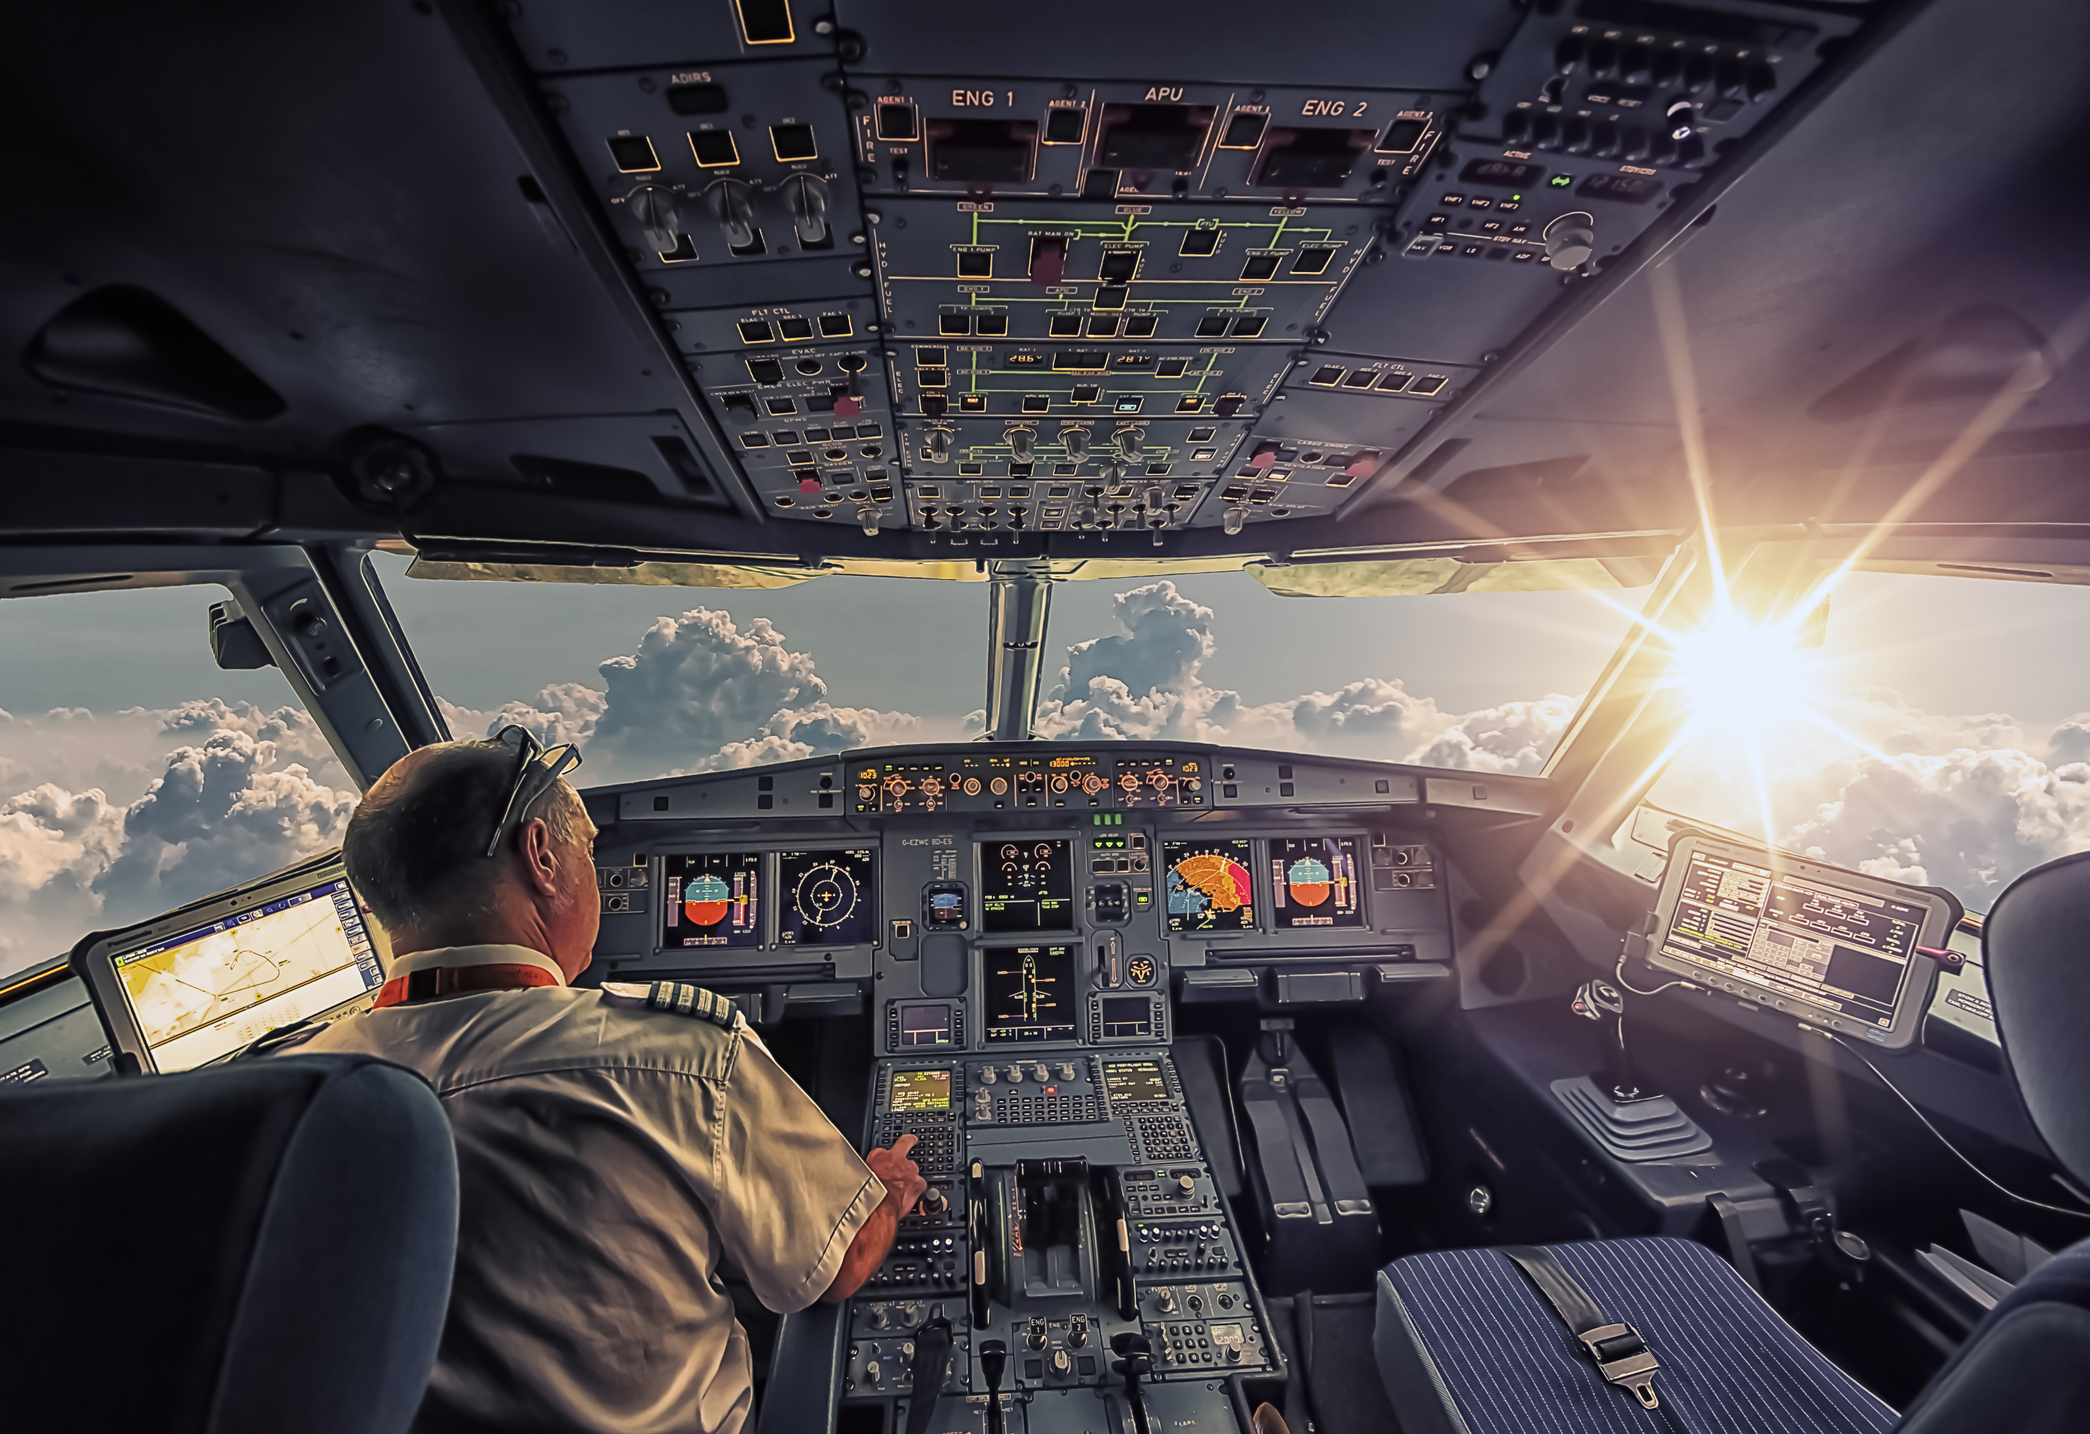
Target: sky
134,775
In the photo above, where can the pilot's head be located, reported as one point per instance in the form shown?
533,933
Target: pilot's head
416,851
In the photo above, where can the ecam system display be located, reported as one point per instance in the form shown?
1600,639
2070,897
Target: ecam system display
1027,885
1031,993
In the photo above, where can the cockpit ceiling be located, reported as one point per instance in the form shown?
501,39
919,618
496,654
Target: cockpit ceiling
1418,285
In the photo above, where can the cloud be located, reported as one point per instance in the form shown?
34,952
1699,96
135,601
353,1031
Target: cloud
1515,737
227,805
699,694
1969,821
1145,682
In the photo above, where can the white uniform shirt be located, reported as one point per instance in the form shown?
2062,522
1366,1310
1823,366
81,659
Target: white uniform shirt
609,1158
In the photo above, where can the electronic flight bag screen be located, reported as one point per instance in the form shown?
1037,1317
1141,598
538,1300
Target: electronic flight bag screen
1832,947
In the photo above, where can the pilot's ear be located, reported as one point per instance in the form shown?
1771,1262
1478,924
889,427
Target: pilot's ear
540,856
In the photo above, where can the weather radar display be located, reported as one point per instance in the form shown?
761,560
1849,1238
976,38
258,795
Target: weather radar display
1209,888
713,899
824,898
1313,881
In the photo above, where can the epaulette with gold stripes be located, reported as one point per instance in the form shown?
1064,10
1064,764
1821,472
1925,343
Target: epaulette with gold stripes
680,997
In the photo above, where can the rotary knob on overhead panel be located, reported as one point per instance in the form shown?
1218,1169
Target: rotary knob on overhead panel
807,199
939,445
732,204
1023,443
1130,444
1076,442
654,208
1570,240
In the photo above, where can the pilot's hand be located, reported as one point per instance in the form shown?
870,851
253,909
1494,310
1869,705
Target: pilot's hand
901,1177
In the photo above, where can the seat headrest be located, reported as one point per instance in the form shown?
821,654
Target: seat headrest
2035,947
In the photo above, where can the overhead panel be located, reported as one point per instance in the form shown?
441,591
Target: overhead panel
1041,296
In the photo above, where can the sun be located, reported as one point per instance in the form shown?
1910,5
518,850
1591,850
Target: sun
1746,679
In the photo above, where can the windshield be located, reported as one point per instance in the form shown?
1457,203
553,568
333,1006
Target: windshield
135,775
1940,734
656,681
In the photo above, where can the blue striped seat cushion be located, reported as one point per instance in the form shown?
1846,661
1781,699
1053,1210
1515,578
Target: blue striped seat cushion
1467,1345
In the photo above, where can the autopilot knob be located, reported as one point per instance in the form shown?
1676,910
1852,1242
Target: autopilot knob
654,207
807,199
1023,443
939,444
1570,240
1076,442
1059,1363
732,204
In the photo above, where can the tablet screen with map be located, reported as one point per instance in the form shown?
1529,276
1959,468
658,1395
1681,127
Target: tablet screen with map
194,995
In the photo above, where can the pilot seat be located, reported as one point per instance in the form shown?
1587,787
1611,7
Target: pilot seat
1660,1334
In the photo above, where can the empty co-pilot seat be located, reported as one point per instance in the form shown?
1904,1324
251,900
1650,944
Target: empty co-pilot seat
255,1248
1467,1345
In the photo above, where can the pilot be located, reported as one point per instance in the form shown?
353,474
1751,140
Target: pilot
613,1156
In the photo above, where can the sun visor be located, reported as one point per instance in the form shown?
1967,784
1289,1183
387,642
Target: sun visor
1419,577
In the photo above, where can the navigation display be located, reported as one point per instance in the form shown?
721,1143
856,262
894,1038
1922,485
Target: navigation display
1209,886
713,899
209,991
826,898
1134,1080
921,1090
1844,949
1031,993
1313,882
1027,885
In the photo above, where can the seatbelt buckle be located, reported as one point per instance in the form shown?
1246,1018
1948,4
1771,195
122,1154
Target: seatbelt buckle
1624,1359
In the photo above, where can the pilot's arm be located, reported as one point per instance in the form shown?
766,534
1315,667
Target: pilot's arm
797,1208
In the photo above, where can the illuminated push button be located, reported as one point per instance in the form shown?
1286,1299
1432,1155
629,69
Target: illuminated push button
809,485
1265,454
1362,465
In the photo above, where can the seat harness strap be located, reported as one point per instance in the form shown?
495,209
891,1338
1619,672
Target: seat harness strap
1616,1348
